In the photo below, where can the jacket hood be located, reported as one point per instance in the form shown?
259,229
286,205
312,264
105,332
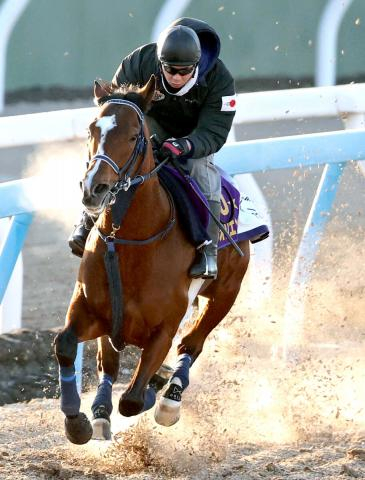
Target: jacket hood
209,42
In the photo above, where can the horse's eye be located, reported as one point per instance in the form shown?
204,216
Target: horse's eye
134,138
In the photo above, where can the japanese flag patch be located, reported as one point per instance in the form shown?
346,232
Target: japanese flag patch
229,103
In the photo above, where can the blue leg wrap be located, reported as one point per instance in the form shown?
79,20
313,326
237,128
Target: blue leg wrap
70,399
149,399
104,394
182,369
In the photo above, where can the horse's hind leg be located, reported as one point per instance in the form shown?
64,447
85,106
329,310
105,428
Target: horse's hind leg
167,412
221,295
108,366
77,426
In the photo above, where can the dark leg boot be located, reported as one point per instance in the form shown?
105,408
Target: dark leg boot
80,233
205,264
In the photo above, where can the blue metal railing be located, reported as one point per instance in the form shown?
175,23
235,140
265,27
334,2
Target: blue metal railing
11,248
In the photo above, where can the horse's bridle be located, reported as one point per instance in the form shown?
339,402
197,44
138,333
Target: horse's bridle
125,181
139,148
124,173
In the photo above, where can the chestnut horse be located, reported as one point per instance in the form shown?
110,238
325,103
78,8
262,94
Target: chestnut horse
150,254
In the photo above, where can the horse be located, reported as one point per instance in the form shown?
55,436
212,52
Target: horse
149,259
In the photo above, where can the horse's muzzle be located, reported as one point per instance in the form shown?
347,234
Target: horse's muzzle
96,198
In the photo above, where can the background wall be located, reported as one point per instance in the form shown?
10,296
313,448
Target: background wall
265,44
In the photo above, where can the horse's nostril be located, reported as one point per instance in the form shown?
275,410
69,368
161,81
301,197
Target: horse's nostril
100,188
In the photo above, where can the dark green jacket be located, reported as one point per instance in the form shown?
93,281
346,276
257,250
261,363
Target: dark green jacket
198,114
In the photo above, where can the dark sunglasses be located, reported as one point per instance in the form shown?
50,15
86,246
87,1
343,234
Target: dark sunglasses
180,71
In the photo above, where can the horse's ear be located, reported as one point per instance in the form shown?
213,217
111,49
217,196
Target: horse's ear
102,88
148,91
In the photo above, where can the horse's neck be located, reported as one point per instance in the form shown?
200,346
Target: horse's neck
148,211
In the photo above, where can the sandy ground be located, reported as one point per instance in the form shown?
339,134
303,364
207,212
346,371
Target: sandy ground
247,413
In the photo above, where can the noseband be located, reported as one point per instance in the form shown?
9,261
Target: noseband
124,173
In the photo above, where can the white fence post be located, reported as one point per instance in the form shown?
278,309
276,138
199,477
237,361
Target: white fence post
326,54
10,11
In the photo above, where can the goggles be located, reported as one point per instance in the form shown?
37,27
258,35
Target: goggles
181,71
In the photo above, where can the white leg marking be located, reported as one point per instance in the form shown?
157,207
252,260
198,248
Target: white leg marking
194,288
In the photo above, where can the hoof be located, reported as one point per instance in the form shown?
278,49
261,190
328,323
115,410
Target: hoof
78,429
101,424
101,429
167,412
130,407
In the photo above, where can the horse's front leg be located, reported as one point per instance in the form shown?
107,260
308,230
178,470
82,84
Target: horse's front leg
108,366
137,399
77,426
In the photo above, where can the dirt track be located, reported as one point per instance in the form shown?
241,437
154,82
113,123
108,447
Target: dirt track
252,418
247,415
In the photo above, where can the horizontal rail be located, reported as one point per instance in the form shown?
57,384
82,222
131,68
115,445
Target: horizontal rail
21,196
28,195
45,127
295,103
292,151
313,102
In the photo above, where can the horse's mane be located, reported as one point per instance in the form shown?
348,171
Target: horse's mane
126,92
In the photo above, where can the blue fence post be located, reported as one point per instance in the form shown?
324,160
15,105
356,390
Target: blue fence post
11,248
318,217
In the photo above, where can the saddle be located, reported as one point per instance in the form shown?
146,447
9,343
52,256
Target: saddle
190,201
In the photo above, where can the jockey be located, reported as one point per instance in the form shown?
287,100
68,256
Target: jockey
191,113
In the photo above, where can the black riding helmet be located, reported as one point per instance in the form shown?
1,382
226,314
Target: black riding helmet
178,45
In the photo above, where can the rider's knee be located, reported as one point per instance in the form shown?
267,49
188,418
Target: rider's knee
66,344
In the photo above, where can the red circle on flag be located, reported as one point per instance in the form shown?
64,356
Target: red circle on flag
232,103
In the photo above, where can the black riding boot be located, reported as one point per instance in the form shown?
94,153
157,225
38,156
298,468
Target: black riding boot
205,264
80,233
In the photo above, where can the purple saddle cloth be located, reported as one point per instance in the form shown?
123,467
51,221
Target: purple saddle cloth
196,216
230,201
